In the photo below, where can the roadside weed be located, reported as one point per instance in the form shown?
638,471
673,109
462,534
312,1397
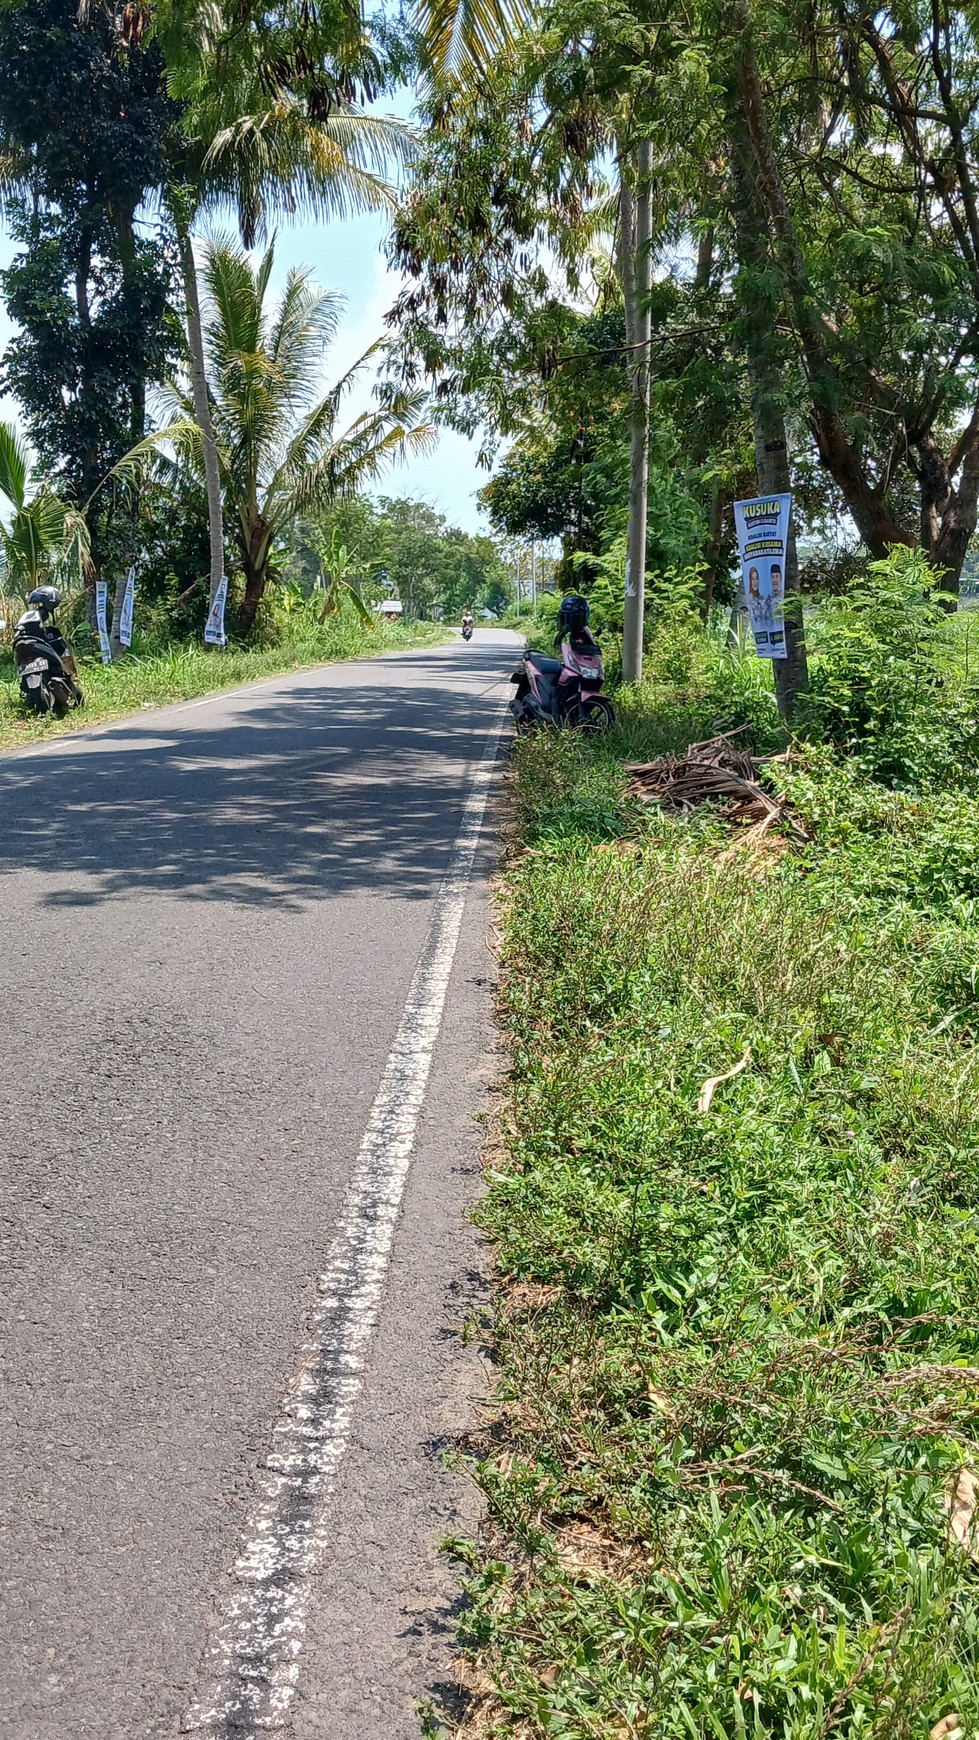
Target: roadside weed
738,1348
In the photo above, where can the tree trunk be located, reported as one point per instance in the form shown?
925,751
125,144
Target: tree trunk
137,429
758,319
635,209
253,537
705,260
91,474
202,405
248,608
720,502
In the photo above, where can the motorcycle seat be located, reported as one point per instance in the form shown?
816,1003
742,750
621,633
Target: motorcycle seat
541,662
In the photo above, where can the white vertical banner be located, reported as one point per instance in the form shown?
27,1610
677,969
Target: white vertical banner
101,606
214,634
763,544
128,603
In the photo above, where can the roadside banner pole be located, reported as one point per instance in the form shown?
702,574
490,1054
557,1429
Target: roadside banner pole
101,608
214,634
128,602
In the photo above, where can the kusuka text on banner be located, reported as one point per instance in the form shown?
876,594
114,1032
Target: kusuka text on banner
101,606
214,632
763,544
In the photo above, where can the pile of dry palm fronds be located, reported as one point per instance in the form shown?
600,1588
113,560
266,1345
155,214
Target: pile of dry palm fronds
718,773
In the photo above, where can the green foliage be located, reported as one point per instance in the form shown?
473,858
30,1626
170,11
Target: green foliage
44,537
283,454
735,1345
606,591
883,685
88,288
434,568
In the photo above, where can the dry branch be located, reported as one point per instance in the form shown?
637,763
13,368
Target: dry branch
713,772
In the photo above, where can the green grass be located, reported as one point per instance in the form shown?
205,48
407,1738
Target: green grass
184,670
738,1349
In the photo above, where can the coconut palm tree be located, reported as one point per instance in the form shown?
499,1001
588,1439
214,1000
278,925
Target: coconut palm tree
270,124
282,454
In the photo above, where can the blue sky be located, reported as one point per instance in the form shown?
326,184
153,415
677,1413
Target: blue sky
348,256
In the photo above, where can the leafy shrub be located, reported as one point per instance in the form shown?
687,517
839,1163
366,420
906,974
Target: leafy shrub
883,686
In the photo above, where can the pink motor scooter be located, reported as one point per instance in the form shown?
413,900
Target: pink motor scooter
564,691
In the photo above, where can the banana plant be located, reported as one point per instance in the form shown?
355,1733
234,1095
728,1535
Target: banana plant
342,575
44,535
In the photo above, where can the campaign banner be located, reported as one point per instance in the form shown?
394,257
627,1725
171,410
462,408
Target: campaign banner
763,545
101,606
128,602
214,632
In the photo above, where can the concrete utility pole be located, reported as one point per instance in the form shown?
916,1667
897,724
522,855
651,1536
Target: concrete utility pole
516,571
533,575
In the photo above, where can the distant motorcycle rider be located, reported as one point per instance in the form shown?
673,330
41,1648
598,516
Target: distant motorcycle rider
467,624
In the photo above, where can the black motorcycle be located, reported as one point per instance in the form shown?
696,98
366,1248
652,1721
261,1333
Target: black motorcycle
46,668
467,631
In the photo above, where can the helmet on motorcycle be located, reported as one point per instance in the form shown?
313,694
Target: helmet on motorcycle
573,614
45,600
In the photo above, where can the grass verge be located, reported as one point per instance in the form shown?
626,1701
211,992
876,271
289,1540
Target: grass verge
738,1347
182,671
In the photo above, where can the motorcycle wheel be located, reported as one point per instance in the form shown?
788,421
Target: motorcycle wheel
39,701
596,713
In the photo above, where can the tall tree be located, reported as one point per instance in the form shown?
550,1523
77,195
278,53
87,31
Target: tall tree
859,128
273,122
283,452
84,118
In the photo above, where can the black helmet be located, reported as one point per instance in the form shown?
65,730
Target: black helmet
45,599
573,614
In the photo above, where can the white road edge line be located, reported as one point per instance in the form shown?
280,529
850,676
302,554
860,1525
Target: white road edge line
251,1664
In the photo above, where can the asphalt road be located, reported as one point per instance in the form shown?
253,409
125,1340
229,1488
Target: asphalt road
210,920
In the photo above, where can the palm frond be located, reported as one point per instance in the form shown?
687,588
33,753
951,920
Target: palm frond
303,329
130,471
233,318
339,392
42,536
347,466
15,465
463,37
279,158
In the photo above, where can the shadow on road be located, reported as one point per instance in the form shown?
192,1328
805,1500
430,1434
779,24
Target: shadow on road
330,790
